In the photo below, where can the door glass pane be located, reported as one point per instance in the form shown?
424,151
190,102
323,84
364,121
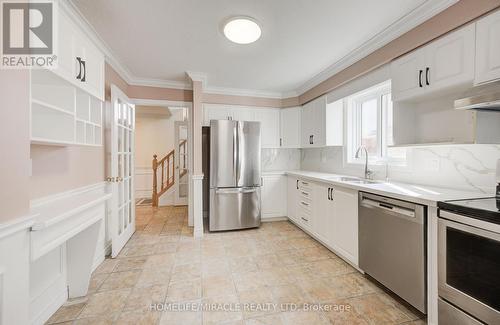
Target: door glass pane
473,266
120,193
131,212
125,216
120,165
120,221
130,165
126,189
369,123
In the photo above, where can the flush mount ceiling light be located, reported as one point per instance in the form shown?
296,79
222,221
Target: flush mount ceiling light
242,30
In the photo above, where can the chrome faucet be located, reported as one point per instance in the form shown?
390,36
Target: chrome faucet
368,173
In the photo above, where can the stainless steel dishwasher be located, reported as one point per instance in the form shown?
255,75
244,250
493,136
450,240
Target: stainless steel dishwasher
392,246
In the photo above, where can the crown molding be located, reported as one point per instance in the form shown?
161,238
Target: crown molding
78,18
419,15
244,92
161,83
197,76
403,25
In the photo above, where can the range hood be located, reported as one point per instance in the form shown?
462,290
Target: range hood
484,98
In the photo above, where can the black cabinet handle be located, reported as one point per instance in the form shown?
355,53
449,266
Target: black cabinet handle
331,194
329,198
310,141
297,184
84,71
281,142
312,137
427,70
79,59
420,78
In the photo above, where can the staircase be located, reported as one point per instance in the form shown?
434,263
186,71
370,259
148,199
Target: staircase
164,172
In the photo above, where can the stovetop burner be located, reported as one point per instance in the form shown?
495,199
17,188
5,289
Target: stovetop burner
487,209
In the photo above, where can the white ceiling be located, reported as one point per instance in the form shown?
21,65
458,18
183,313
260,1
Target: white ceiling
162,39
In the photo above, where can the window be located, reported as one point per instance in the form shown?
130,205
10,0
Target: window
370,123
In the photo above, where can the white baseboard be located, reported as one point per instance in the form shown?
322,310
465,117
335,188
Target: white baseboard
100,256
51,308
273,219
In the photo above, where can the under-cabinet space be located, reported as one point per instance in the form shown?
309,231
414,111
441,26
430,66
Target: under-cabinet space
62,114
438,122
52,91
50,125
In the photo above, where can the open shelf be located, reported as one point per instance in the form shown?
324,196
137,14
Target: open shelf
51,124
61,114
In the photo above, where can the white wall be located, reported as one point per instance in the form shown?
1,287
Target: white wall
153,135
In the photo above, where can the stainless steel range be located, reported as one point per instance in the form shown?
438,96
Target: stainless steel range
469,261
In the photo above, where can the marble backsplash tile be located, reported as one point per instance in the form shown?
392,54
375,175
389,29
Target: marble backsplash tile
466,167
280,159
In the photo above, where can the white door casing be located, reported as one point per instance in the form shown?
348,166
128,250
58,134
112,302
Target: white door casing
181,163
121,178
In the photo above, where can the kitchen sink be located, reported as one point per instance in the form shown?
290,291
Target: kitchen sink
354,180
364,181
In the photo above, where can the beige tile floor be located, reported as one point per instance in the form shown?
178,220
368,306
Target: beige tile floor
275,264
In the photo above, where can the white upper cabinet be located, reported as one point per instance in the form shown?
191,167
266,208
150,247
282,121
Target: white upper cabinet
269,119
313,123
211,112
66,45
407,75
488,49
450,60
321,123
445,63
92,77
290,127
79,60
242,114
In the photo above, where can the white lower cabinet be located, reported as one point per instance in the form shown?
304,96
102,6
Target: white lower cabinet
324,213
14,276
292,191
274,196
329,213
345,230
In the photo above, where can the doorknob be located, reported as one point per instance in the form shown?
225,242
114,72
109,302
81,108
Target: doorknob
110,179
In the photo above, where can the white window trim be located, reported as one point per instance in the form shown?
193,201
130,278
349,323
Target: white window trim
378,163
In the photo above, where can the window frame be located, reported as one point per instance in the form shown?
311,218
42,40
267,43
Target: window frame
354,124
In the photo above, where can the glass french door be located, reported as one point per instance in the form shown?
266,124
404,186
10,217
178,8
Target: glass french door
181,163
122,127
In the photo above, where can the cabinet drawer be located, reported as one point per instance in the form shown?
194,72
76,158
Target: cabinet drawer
305,195
305,207
305,217
304,186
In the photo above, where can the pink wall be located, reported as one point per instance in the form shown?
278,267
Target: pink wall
58,169
14,143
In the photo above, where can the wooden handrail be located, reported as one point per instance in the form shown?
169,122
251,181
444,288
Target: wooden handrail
166,166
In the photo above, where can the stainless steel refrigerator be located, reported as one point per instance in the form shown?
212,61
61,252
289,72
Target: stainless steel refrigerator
235,175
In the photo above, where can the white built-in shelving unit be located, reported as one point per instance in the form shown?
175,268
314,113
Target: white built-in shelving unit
62,114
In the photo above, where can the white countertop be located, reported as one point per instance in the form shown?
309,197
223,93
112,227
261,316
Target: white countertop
421,194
